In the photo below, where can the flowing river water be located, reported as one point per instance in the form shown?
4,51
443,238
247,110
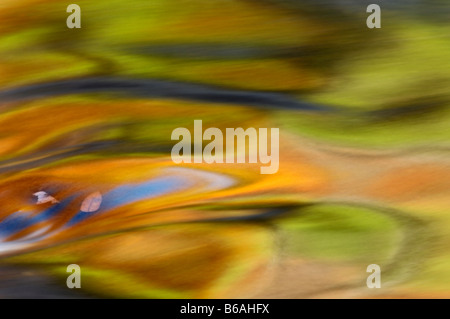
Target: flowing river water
86,118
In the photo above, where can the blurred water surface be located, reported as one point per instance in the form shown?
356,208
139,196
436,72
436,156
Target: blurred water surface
86,116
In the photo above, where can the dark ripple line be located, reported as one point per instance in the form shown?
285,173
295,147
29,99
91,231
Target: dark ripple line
152,88
12,166
218,51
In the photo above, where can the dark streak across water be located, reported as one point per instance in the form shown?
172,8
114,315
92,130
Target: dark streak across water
151,88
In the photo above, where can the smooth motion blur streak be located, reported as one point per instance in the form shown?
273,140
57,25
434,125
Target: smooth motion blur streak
86,117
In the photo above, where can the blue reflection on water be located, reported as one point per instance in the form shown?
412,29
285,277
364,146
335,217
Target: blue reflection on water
20,220
128,194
